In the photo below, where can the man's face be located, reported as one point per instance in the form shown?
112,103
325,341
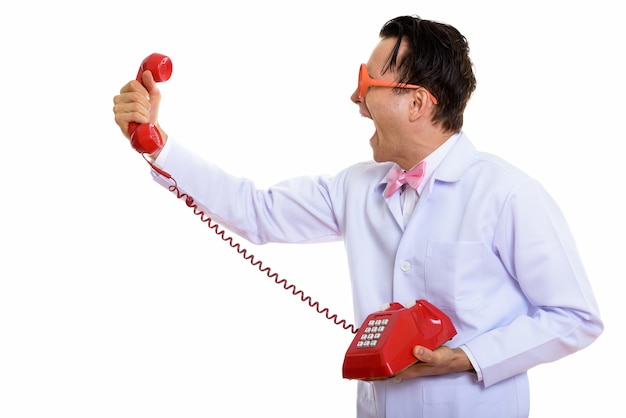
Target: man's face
387,109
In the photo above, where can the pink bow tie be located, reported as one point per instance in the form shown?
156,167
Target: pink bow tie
397,177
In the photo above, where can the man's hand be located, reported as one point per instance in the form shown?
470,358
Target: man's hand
442,360
138,102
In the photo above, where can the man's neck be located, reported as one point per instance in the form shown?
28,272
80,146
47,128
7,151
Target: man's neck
425,147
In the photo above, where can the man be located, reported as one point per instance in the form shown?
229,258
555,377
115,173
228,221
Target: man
470,233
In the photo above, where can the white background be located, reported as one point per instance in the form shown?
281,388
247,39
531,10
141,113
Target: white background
116,301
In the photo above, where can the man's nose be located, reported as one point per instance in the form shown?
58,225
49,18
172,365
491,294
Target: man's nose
355,97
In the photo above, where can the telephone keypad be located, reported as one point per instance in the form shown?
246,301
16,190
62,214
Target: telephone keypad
372,333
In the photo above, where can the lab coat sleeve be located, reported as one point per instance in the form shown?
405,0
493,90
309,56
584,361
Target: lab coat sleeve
535,244
297,210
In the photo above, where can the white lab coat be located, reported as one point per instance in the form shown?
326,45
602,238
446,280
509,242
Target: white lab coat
486,244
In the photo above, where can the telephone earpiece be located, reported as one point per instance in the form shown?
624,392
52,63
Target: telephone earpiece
145,137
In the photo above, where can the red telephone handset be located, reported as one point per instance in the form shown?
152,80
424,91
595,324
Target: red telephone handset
145,137
383,346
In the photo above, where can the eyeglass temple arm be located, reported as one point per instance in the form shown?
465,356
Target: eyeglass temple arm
382,83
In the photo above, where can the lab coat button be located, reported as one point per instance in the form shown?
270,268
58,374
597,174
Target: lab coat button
405,266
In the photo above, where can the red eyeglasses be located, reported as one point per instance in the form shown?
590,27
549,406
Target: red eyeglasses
365,82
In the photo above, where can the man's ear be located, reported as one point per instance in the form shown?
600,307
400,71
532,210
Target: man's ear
420,104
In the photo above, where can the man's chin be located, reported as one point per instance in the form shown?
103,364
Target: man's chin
374,145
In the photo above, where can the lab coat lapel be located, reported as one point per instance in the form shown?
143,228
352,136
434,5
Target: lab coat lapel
395,206
393,202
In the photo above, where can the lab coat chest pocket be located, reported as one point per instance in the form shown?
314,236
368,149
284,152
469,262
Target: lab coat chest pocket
454,274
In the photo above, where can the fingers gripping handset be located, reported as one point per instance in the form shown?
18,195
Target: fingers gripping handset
145,137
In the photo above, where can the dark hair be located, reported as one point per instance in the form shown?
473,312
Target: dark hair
438,59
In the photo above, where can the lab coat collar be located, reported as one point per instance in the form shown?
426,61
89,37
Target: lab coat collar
457,161
453,165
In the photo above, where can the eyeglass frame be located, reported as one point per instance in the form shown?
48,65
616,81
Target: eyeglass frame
365,82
